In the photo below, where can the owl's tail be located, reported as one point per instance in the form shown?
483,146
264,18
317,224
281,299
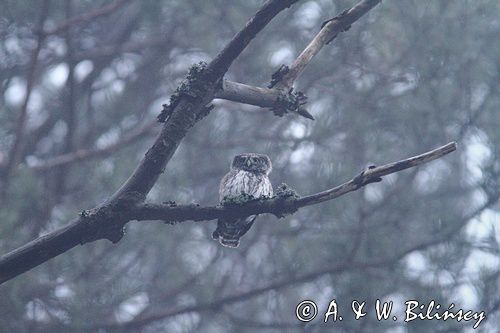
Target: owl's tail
227,235
229,232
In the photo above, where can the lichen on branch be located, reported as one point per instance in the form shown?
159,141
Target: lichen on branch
193,87
292,101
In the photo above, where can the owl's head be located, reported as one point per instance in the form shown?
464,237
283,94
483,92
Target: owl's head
257,163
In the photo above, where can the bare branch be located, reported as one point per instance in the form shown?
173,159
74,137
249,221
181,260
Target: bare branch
106,221
280,206
189,110
373,174
328,32
84,154
268,98
243,93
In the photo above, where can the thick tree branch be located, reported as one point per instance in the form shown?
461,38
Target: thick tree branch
40,250
106,221
189,110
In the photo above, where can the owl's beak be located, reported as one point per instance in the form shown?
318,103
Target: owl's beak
249,163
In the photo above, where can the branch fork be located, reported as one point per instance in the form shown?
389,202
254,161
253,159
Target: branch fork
187,106
279,96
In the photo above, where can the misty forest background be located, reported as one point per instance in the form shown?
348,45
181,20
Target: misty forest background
408,77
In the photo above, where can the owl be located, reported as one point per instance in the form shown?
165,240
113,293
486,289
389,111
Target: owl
248,175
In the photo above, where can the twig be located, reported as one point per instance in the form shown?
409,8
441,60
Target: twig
84,154
131,46
80,19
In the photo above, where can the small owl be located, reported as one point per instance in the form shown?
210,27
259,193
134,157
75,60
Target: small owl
248,175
